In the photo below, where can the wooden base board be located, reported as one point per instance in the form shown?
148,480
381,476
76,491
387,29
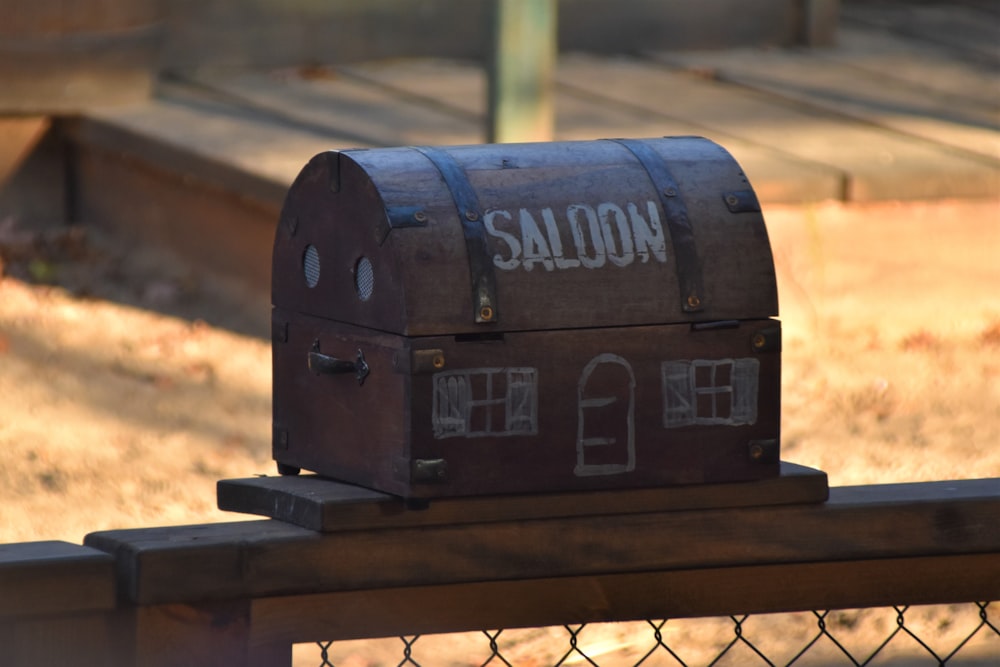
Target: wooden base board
327,505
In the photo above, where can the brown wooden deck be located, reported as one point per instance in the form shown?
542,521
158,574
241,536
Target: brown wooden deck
906,107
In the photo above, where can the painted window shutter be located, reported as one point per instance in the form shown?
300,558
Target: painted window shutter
678,392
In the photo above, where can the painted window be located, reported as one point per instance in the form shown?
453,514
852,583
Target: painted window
710,392
483,402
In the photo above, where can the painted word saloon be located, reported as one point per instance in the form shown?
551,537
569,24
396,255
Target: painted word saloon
525,318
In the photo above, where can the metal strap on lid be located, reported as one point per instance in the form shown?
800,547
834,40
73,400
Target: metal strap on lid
483,279
681,235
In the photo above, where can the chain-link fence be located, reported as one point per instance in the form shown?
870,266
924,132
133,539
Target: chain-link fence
959,634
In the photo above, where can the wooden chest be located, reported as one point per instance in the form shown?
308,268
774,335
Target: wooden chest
525,318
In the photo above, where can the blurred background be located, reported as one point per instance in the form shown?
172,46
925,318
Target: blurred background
145,149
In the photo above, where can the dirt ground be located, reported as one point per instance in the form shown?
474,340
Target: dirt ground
114,414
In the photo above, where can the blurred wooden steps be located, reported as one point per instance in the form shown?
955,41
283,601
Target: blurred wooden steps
888,114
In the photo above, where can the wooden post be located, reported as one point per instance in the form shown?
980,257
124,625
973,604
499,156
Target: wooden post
57,605
521,68
818,22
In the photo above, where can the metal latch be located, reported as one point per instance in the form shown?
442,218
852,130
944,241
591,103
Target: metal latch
430,470
322,364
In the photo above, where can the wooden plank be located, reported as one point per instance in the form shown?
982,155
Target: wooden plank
624,597
969,32
365,115
909,108
267,557
917,63
82,640
776,177
876,164
626,27
54,578
268,34
989,7
207,556
458,86
327,506
175,635
222,145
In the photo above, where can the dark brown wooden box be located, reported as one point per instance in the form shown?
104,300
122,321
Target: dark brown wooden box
526,318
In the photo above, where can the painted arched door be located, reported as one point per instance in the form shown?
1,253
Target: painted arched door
605,433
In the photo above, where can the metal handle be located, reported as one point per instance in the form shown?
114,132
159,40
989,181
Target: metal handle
323,364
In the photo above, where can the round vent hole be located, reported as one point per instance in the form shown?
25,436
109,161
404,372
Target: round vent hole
310,265
364,278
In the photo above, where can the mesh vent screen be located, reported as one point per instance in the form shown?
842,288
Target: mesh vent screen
310,265
364,278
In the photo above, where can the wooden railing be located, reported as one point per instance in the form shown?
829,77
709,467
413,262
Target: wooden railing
243,593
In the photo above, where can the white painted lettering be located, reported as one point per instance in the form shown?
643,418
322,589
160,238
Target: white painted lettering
609,213
573,215
608,232
555,241
648,235
513,261
536,248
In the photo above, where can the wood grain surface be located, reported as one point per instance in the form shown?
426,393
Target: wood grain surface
325,505
256,558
